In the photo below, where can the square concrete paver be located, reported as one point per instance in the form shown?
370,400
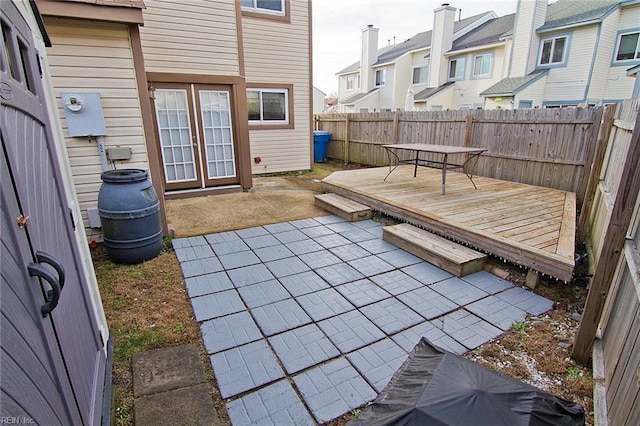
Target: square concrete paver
377,246
160,370
221,237
526,300
216,305
267,254
362,292
263,293
250,275
396,282
306,282
427,303
192,268
280,316
378,362
328,219
320,258
426,273
303,246
284,267
245,367
409,338
207,284
497,312
227,332
191,405
391,315
487,282
290,236
458,291
303,347
228,247
238,260
324,304
468,329
261,241
276,404
333,389
276,228
193,253
317,231
256,231
350,331
349,252
371,265
399,258
339,274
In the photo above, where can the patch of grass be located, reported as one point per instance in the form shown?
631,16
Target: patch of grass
520,326
147,308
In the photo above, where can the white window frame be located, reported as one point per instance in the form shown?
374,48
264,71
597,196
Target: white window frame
565,50
354,79
474,73
256,8
616,51
382,72
262,121
462,60
426,74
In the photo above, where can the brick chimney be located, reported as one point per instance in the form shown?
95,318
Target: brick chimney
530,15
368,57
441,42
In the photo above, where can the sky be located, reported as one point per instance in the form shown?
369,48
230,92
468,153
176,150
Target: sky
338,24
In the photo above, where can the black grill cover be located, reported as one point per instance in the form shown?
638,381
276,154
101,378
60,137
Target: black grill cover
436,387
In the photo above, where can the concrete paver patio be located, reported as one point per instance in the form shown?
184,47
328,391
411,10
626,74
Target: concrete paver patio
308,319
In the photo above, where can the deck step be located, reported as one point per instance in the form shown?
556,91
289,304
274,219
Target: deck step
343,207
452,257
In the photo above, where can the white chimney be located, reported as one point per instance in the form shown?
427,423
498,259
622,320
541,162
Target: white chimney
530,15
368,57
441,42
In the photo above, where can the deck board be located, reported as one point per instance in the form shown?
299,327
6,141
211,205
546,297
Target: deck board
528,225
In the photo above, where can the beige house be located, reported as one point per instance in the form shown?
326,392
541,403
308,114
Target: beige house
204,93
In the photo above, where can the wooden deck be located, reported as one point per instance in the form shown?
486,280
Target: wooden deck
528,225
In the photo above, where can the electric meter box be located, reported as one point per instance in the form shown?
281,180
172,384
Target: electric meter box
83,112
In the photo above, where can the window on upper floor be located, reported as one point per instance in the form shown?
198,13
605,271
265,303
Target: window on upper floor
268,106
380,77
269,6
482,65
628,46
456,69
353,81
553,51
420,75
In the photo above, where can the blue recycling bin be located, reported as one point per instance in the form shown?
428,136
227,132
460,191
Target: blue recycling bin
320,140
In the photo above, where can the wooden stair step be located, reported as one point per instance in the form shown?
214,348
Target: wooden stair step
448,255
343,207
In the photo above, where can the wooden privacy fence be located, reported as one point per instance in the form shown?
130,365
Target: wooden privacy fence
610,327
546,147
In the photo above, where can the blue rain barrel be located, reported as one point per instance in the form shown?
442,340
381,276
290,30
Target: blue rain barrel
320,140
129,215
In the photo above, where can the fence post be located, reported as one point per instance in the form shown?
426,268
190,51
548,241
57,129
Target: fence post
396,127
611,249
347,129
595,166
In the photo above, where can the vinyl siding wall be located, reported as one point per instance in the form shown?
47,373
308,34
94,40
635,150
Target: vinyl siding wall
605,47
466,92
87,55
568,83
619,86
278,53
534,92
190,37
386,95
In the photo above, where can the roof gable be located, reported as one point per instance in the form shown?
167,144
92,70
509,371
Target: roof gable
488,33
573,12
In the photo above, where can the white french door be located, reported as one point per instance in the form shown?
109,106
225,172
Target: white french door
196,135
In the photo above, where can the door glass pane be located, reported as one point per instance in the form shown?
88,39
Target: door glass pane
216,119
175,135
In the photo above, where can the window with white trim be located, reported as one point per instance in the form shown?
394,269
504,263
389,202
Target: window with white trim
380,77
268,6
268,106
420,75
353,81
628,46
553,50
482,65
456,69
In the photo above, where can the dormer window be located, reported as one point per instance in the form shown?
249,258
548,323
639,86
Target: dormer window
553,51
456,69
380,77
628,46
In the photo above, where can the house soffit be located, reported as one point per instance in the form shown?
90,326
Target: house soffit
123,11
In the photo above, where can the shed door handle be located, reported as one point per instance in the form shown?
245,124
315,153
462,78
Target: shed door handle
37,270
43,257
